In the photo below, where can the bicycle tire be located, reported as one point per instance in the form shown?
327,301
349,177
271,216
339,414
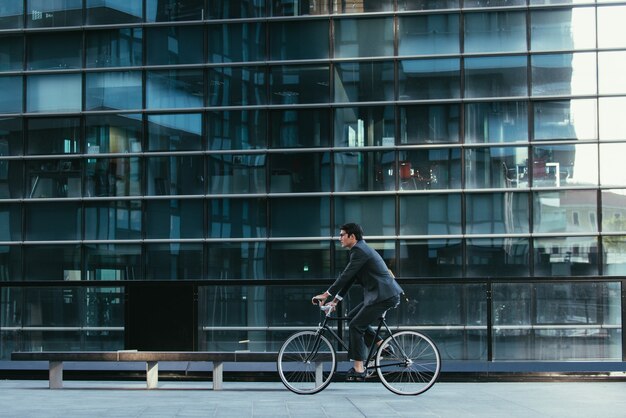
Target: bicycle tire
411,366
302,371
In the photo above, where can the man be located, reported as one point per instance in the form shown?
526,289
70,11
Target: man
380,293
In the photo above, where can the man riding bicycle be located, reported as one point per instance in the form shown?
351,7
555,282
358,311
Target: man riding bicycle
380,293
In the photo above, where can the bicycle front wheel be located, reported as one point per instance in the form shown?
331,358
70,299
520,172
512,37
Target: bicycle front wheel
306,362
408,363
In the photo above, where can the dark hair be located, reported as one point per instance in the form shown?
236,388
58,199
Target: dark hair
353,229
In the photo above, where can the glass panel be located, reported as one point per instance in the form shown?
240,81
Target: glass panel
429,79
106,220
377,214
97,314
427,4
494,3
495,31
505,257
298,260
11,98
174,89
113,261
611,164
430,169
566,119
611,22
364,6
237,173
565,211
430,258
431,123
299,128
613,211
54,262
10,265
535,321
53,136
173,261
564,74
611,67
114,48
174,10
54,93
298,8
497,213
14,170
566,256
174,45
174,219
46,13
430,214
236,86
299,84
496,122
237,218
386,249
364,81
428,34
364,171
175,175
496,167
11,221
10,137
54,51
11,14
11,51
299,172
177,132
287,213
102,12
118,90
564,29
237,129
363,37
565,165
53,178
113,177
364,126
495,76
236,42
286,40
612,122
614,255
456,317
236,260
54,221
113,133
233,9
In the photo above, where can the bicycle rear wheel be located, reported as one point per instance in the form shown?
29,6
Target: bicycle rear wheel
408,363
306,362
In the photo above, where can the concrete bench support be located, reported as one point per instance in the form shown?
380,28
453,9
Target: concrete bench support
55,375
218,375
152,374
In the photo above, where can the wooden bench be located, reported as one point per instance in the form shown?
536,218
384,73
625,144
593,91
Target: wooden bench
151,358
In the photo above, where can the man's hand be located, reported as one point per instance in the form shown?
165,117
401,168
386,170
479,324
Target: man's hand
319,299
333,305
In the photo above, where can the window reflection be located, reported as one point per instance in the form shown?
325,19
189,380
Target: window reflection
11,14
496,122
174,89
566,119
54,136
11,51
495,31
299,172
430,258
237,129
175,175
364,126
611,164
46,13
298,260
286,40
611,68
613,210
54,93
14,170
565,211
376,213
53,178
113,133
11,99
174,45
363,37
115,90
287,213
236,42
497,213
612,124
436,123
233,9
364,81
429,79
430,214
114,48
176,132
237,218
11,216
10,265
427,4
364,6
496,76
437,168
174,10
237,173
106,220
298,7
174,219
52,221
54,262
566,256
611,21
236,260
564,29
291,84
236,86
113,177
299,128
496,167
488,257
173,261
565,165
428,34
386,249
364,171
102,12
563,74
10,137
113,261
614,255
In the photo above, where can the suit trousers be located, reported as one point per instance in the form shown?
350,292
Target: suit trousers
361,332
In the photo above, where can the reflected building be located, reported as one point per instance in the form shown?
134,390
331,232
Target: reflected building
181,169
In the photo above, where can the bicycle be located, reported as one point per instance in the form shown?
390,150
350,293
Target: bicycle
407,362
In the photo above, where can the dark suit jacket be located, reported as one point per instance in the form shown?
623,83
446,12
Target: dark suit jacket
367,268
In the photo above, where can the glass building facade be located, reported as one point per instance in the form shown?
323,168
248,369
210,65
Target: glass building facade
173,173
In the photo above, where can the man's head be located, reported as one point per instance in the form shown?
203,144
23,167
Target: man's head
349,234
